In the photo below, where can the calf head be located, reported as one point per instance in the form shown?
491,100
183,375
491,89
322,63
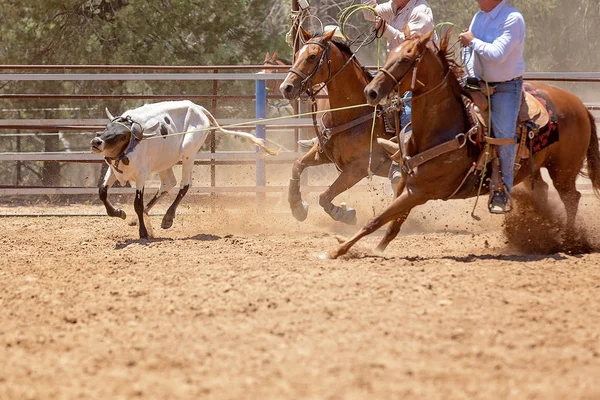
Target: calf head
119,134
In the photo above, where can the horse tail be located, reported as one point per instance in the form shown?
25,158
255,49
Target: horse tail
593,157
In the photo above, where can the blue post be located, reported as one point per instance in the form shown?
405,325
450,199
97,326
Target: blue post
261,112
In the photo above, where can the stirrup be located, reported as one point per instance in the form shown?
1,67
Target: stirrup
500,202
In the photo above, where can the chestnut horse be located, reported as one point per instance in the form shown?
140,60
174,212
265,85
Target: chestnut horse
276,107
328,61
436,87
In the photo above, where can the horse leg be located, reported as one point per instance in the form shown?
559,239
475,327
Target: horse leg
395,226
348,178
300,207
400,206
167,182
540,189
564,182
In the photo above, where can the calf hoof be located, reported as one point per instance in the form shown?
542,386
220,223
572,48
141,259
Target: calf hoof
167,221
121,214
300,210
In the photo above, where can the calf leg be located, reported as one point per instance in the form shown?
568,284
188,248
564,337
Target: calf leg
109,180
138,206
167,182
186,180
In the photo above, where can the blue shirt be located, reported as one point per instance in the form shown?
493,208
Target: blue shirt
497,50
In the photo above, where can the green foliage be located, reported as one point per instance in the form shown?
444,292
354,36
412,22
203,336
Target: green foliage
562,35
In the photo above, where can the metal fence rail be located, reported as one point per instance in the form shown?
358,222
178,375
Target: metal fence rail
194,73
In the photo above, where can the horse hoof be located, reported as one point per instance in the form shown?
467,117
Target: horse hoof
322,256
349,217
121,214
300,210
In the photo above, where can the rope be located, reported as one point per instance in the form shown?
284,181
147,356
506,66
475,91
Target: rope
343,17
486,149
256,121
369,171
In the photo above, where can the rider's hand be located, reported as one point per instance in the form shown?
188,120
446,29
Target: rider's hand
466,38
378,22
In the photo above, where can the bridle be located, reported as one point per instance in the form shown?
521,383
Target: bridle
305,85
413,69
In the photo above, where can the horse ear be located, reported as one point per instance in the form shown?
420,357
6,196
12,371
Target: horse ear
267,56
274,56
423,40
327,36
406,30
305,34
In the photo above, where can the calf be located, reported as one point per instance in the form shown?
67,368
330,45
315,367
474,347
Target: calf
132,157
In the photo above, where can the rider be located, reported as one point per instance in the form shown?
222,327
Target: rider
393,15
496,39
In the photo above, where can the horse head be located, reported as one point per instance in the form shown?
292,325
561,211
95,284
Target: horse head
313,65
402,69
273,60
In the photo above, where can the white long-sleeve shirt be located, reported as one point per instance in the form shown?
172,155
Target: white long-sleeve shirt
498,46
416,14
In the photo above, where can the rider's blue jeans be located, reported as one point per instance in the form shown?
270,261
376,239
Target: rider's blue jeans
405,116
505,105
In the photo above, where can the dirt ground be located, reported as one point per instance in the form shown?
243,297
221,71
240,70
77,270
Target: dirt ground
230,304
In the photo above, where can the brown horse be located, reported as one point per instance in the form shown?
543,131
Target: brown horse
281,106
324,60
438,116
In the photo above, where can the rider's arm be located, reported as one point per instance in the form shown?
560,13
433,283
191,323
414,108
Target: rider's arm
419,21
513,33
366,13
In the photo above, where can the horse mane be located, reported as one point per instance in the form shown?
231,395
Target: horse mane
447,55
344,47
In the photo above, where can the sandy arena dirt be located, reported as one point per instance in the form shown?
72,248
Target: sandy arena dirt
231,304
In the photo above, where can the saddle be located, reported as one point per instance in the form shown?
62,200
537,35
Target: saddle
533,116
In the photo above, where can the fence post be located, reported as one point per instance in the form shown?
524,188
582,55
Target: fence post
261,112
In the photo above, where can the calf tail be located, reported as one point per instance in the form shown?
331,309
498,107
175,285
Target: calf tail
259,142
593,157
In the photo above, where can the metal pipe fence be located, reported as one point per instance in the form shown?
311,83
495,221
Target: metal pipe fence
159,73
